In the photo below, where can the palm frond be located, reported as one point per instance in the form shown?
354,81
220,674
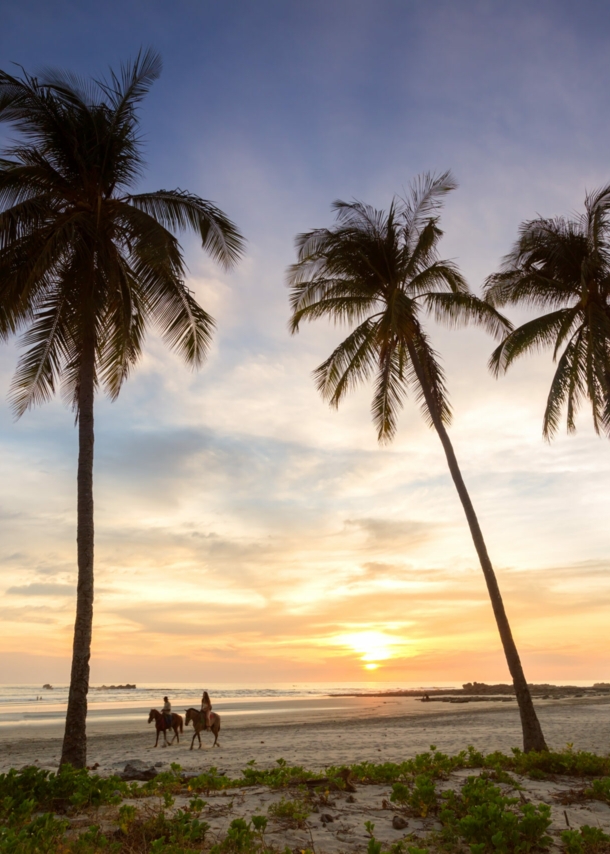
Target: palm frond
128,88
122,331
529,288
179,210
437,278
350,364
40,366
531,336
428,380
567,386
423,252
183,323
390,390
424,202
462,309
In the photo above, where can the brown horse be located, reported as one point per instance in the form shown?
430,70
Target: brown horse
197,718
161,724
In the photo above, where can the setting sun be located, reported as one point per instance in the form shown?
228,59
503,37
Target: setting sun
372,646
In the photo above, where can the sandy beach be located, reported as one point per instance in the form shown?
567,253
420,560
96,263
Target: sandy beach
322,732
330,732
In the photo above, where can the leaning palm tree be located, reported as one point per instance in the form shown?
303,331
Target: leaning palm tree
85,266
562,266
380,272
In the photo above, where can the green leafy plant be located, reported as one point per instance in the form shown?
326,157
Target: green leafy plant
275,778
293,812
599,790
421,798
127,816
586,840
210,781
41,835
243,837
491,822
374,846
69,787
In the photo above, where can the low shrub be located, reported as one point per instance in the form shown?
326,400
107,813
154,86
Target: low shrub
586,840
275,778
421,798
488,821
245,837
294,813
68,787
599,790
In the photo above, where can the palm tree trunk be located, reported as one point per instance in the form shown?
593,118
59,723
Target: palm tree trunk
74,750
533,739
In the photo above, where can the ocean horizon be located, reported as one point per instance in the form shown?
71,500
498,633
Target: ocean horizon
33,706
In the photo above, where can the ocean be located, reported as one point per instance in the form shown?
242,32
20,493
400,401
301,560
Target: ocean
34,707
38,712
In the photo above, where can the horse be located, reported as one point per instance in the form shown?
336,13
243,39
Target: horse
161,724
197,718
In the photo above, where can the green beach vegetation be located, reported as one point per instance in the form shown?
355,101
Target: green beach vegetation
483,813
381,272
86,265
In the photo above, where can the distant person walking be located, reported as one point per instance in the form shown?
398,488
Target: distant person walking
206,708
167,711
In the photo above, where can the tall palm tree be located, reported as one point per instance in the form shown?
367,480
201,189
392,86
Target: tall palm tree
380,272
85,266
563,266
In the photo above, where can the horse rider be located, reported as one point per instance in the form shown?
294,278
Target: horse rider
206,709
167,712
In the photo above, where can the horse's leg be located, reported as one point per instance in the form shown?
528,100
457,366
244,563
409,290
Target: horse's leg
194,737
157,741
199,737
215,730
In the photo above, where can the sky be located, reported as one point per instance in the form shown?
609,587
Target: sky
244,531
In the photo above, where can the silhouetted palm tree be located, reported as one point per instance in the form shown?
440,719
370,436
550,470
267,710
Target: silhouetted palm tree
85,265
563,266
380,272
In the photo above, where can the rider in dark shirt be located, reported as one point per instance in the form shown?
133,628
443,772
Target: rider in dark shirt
167,711
206,708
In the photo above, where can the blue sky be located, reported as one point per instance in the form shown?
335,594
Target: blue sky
237,517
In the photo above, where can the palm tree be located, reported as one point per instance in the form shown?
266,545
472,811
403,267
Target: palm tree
379,272
85,266
563,266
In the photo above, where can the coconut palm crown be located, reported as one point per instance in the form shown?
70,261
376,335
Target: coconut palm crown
380,273
86,264
562,266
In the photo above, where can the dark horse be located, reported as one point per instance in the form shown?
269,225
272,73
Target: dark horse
161,724
197,718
